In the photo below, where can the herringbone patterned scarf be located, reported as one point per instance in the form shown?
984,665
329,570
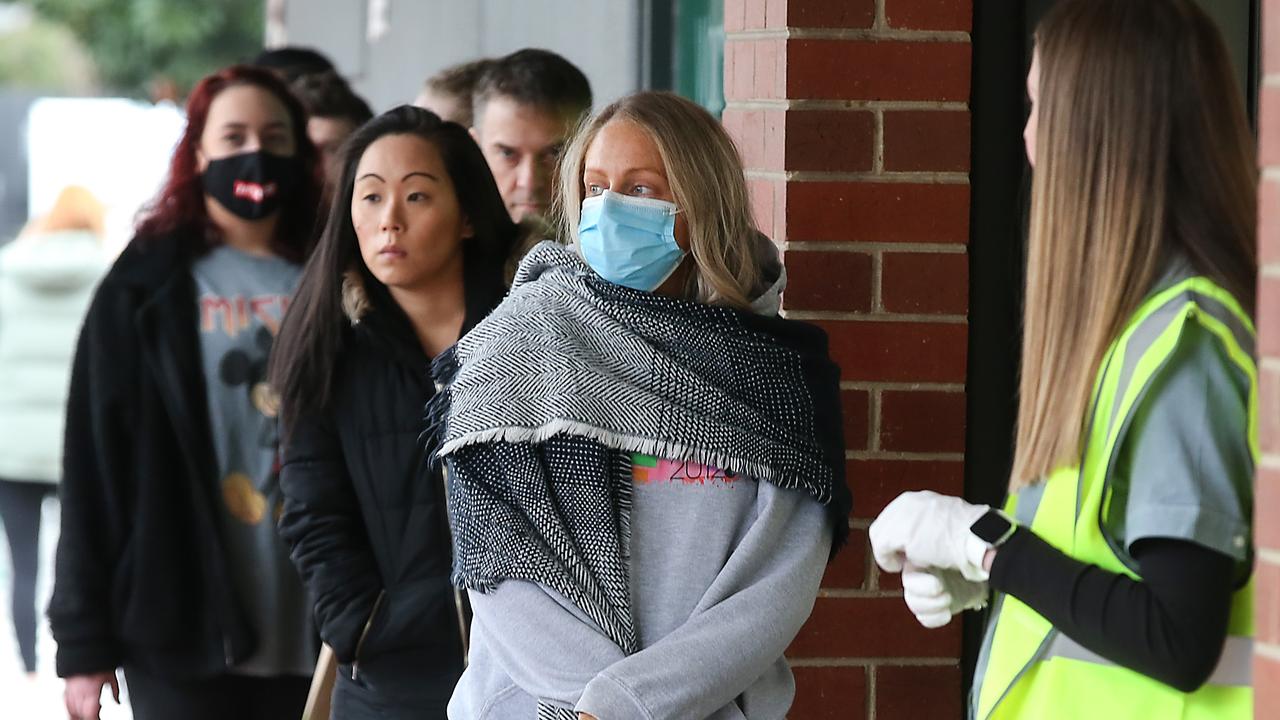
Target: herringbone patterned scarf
546,399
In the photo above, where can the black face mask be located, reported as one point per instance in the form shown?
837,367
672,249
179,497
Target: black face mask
251,185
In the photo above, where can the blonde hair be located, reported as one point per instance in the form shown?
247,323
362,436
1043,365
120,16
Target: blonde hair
710,188
1143,154
75,209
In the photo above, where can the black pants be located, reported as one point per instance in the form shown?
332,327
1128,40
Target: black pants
20,512
217,698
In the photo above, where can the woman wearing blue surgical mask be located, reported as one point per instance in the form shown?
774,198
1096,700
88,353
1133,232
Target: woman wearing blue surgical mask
645,462
169,564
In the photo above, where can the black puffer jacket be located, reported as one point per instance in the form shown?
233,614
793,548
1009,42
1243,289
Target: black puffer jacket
367,523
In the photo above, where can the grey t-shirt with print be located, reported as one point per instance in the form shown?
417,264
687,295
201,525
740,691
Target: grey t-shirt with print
241,299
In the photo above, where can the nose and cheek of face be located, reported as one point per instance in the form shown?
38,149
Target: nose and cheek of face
245,119
328,134
242,119
522,144
624,159
405,213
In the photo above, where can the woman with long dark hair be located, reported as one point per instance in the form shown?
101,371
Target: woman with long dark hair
411,258
1122,572
169,563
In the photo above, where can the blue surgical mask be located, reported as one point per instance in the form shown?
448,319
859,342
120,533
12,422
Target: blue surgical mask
630,241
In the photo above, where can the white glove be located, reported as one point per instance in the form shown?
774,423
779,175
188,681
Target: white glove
934,596
929,531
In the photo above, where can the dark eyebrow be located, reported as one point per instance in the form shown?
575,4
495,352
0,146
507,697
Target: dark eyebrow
427,175
376,176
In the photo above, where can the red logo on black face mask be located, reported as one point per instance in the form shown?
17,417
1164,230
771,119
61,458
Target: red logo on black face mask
252,191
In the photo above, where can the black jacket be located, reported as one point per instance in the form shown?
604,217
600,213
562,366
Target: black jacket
367,521
141,577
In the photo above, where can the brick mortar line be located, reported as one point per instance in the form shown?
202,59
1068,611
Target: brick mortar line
1271,80
1271,270
881,21
859,523
1270,556
1271,172
1271,363
1267,650
869,662
851,105
877,143
901,386
873,427
1270,461
872,247
917,456
872,579
918,178
872,680
877,317
877,281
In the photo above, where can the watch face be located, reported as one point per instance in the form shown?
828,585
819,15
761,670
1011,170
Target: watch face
991,527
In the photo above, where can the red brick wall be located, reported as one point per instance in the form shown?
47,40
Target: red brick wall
852,117
1266,678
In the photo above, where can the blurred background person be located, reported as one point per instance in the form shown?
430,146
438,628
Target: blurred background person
334,111
46,280
525,106
448,92
169,563
291,62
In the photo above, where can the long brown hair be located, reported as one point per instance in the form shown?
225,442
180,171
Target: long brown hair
1143,154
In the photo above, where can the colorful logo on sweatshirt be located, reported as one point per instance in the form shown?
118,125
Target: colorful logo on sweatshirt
648,470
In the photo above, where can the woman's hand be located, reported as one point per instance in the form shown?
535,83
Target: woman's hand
586,716
83,694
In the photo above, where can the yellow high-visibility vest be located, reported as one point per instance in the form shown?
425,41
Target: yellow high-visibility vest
1027,669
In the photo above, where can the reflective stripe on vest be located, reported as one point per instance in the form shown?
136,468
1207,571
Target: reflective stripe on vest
1235,667
1027,668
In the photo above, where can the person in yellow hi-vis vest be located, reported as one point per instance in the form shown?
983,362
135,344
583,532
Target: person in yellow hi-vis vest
1121,570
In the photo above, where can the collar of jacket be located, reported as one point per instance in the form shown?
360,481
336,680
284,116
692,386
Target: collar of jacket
373,313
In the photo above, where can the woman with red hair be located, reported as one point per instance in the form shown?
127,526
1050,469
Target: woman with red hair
169,564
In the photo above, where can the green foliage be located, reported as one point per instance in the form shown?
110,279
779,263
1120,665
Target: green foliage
47,57
133,42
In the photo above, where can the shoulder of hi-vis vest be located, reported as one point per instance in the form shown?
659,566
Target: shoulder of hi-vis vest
1027,669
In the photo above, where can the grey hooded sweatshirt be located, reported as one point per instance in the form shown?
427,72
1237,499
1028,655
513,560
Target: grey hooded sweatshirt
724,571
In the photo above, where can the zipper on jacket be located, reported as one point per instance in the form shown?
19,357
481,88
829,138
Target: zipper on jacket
462,627
355,664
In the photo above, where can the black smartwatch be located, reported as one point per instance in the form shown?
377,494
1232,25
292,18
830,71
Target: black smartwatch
993,528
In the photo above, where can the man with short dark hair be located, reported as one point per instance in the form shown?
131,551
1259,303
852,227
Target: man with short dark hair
448,92
292,62
334,111
524,106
